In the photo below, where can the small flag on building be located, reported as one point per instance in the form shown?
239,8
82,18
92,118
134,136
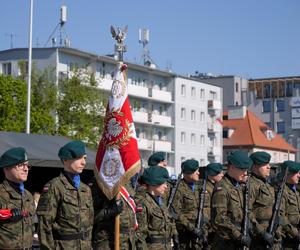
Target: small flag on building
117,157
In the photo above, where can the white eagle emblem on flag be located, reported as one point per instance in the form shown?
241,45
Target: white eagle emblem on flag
114,128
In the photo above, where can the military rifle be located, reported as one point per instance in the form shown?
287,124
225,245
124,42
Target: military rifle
274,221
174,190
201,206
245,229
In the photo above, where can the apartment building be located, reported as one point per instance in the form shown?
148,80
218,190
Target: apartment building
156,98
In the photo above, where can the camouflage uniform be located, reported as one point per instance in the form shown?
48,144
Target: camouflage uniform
227,214
156,227
210,187
104,228
19,234
261,203
291,219
186,204
65,215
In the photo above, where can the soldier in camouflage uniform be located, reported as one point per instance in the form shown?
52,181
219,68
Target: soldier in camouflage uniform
291,207
156,226
215,174
228,204
16,203
261,203
105,213
65,209
186,204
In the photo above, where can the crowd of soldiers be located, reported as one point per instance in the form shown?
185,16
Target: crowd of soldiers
203,209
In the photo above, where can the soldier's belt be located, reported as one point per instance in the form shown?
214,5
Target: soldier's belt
157,240
77,236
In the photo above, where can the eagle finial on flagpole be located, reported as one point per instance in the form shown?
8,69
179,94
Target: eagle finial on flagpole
119,35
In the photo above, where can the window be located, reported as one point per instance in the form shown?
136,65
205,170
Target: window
268,124
182,116
212,95
289,89
183,90
193,139
202,94
267,90
202,117
280,105
6,68
236,87
280,127
193,115
193,92
182,138
202,140
266,106
225,133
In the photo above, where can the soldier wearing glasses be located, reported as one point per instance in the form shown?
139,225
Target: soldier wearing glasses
16,203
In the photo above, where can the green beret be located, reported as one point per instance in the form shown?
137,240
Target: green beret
260,158
293,167
239,159
156,158
12,157
155,175
214,169
72,150
189,166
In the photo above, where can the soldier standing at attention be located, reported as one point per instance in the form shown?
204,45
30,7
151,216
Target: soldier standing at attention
291,207
156,227
65,209
215,174
261,203
186,204
16,203
228,204
105,212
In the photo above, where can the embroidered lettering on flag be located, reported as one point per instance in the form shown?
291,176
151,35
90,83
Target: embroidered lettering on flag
117,157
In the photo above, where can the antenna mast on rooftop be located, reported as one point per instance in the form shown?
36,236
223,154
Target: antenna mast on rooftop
144,40
64,40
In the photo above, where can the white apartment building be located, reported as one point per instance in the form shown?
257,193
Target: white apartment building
156,99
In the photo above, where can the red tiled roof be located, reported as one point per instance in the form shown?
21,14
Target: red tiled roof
249,132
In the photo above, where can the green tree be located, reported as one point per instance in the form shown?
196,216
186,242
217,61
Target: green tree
80,109
43,99
12,104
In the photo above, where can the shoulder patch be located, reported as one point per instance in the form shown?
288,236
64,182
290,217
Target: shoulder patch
139,209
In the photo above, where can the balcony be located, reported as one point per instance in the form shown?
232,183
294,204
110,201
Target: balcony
144,144
160,120
138,91
164,146
213,104
104,83
214,152
160,95
212,128
154,145
139,116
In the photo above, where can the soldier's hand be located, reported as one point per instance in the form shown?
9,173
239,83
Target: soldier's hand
118,207
175,242
16,215
173,213
245,240
297,238
268,238
197,232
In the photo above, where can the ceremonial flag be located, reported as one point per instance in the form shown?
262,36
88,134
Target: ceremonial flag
117,158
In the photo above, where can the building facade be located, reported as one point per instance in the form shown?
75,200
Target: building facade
156,102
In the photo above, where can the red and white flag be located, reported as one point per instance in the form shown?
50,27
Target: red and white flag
117,158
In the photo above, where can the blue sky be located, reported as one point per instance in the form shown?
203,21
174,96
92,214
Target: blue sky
248,38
